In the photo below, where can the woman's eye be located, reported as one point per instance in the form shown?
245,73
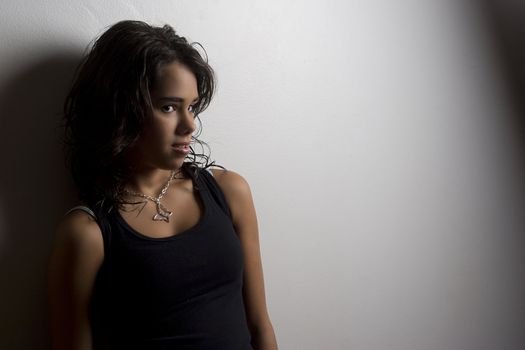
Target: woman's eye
168,108
173,108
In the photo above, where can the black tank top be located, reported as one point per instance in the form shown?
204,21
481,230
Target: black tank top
180,292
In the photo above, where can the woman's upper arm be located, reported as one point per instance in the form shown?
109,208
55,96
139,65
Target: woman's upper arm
239,198
76,257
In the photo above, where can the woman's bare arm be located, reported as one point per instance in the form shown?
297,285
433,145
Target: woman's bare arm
76,257
239,198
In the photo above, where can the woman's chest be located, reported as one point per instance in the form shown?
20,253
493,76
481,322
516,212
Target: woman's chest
176,269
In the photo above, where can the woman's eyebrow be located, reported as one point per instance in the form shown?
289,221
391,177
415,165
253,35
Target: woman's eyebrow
175,98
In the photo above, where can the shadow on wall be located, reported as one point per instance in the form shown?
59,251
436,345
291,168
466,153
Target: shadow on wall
505,21
35,191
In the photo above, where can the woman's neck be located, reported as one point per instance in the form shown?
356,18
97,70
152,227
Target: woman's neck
149,181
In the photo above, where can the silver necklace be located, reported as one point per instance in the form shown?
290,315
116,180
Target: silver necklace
163,214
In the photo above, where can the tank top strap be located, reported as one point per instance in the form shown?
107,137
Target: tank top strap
206,179
84,209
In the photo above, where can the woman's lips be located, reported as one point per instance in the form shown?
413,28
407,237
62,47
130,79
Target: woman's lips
183,148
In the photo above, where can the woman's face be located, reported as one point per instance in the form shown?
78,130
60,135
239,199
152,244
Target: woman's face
165,141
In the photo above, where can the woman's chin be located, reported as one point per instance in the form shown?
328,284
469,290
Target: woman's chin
176,163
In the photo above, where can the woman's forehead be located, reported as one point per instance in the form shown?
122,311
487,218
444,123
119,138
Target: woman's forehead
175,76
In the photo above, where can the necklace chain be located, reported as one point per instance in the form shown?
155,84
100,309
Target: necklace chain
162,213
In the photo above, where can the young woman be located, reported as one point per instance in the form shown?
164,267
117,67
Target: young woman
163,252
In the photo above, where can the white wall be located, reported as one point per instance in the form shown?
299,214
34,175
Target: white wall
378,139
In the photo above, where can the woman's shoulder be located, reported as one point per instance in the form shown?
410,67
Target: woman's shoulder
230,182
78,228
236,191
74,261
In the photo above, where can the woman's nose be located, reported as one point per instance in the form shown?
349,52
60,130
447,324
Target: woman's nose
187,123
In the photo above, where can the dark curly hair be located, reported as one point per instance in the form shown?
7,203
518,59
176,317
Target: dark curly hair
109,103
